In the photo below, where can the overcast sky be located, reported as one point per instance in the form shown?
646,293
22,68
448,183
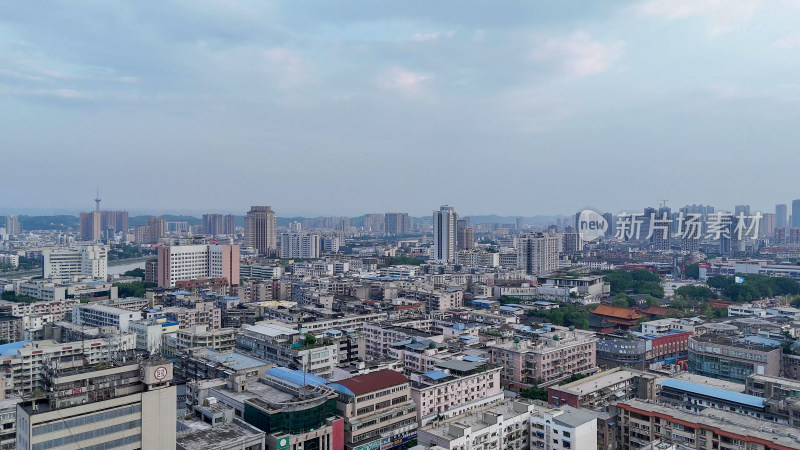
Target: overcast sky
347,107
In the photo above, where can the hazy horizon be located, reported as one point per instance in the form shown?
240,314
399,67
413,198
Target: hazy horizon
343,108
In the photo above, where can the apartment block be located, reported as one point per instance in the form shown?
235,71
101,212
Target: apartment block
556,354
731,358
456,387
103,316
24,360
643,422
191,262
122,406
65,265
378,410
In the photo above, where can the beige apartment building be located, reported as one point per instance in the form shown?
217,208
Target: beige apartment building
378,410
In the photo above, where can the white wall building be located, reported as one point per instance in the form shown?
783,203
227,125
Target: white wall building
70,264
103,316
537,253
299,245
519,425
444,234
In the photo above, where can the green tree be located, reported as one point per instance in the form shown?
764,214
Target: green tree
138,272
535,393
692,271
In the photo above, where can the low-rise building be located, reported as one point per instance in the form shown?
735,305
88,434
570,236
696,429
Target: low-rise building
553,356
603,389
731,358
519,424
378,410
24,360
100,315
641,422
286,347
456,387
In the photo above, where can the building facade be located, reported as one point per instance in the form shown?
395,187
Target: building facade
260,228
190,262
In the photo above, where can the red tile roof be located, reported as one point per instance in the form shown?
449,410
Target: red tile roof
656,310
617,311
375,381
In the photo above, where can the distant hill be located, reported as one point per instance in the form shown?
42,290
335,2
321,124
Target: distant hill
45,222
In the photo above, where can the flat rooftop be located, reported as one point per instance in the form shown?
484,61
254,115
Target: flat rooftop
226,435
234,360
700,379
257,391
586,386
475,420
724,420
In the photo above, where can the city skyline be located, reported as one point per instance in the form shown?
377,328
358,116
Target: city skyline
635,95
199,213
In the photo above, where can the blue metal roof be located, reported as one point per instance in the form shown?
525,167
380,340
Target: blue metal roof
760,340
180,293
714,392
11,349
436,375
509,308
472,358
296,377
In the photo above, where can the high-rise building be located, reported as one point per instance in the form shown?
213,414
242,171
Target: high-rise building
465,238
741,209
90,226
191,262
212,223
300,245
610,229
68,264
444,234
118,220
140,234
229,225
397,224
121,405
13,226
520,223
218,224
374,223
767,227
537,253
781,219
795,213
156,229
571,243
260,229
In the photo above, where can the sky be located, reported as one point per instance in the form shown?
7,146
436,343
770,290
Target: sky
349,107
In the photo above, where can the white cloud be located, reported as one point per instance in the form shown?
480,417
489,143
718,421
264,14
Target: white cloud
788,41
578,55
423,37
722,15
404,80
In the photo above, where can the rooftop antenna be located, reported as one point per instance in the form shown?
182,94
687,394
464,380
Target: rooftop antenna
97,201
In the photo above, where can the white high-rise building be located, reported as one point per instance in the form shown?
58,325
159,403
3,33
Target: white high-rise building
64,265
299,245
192,262
537,253
444,234
13,226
